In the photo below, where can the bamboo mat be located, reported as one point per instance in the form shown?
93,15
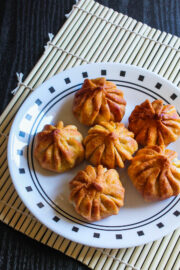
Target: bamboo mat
93,33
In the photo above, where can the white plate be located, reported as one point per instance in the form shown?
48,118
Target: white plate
46,194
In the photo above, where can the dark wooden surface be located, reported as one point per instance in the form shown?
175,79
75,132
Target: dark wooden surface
24,27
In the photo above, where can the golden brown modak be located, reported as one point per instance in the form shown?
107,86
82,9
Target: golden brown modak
154,173
109,144
96,193
155,123
98,100
59,148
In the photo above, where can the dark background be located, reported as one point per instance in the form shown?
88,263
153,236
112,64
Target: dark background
24,27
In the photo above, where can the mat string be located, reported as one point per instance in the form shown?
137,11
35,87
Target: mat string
72,54
51,36
101,250
2,134
122,27
20,83
68,14
116,259
17,210
49,43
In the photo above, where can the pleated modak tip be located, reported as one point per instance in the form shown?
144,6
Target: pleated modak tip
59,148
96,193
155,173
98,100
155,123
109,144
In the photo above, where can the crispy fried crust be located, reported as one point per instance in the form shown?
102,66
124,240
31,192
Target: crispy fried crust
155,123
109,144
96,193
154,173
98,100
59,148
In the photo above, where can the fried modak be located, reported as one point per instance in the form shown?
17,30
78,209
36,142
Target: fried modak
109,144
59,148
154,123
98,100
96,193
155,173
